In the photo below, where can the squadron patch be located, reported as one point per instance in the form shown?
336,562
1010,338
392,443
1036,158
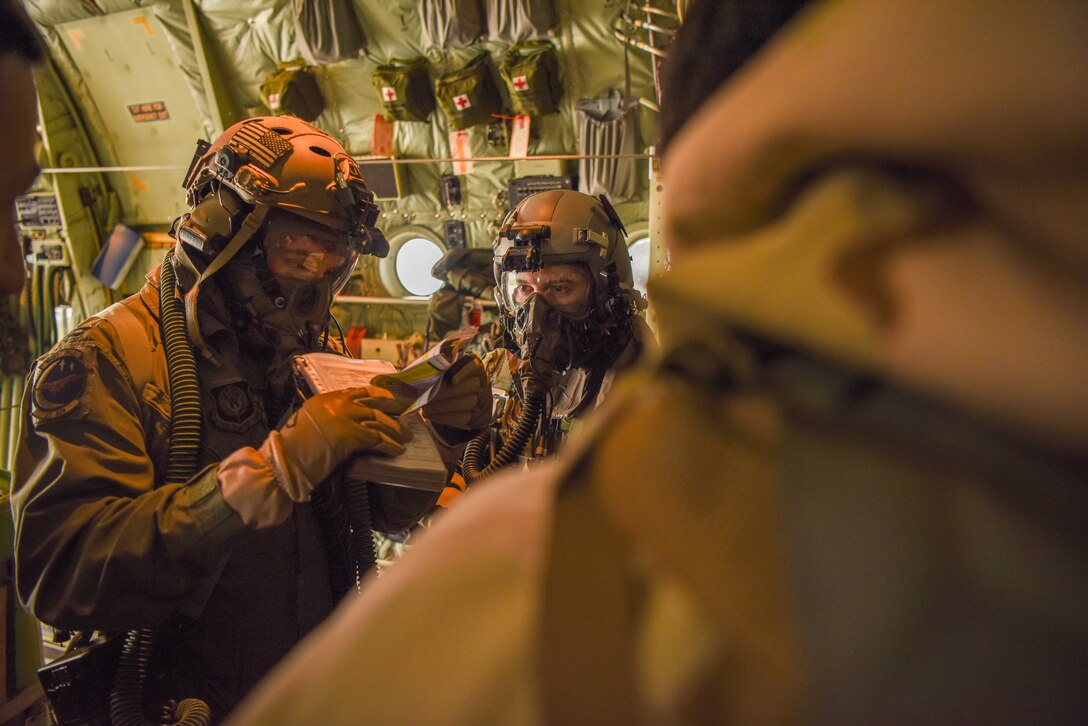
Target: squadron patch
234,408
59,384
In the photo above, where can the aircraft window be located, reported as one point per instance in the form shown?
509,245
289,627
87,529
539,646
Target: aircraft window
413,264
640,262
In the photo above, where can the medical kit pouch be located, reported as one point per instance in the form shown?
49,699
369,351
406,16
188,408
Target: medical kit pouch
469,95
405,89
293,90
531,73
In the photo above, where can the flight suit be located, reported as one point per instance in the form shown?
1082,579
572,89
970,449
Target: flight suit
575,395
103,543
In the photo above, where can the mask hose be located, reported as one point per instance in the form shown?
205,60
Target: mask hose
126,694
472,464
363,557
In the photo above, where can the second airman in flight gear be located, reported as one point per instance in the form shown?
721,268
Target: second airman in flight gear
570,312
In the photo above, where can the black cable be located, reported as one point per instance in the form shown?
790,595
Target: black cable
340,333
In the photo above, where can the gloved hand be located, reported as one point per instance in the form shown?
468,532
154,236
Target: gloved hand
329,428
463,401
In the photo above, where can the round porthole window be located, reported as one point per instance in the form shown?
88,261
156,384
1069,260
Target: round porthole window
415,258
640,262
407,270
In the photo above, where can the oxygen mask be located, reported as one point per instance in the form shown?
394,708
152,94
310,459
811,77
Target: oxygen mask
546,304
540,336
286,288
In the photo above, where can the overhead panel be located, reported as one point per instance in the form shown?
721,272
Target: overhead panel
133,77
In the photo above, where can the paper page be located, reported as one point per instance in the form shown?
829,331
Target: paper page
420,465
335,372
519,137
461,151
421,378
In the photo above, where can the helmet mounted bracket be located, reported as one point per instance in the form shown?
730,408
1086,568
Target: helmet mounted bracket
525,255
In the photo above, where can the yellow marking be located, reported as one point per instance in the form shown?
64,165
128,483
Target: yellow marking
142,20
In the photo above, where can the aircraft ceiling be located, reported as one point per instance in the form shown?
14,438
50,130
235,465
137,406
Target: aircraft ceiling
132,84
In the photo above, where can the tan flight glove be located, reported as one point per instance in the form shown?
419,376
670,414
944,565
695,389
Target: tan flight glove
260,484
326,430
463,401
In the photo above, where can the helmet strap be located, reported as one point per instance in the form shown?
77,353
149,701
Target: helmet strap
252,223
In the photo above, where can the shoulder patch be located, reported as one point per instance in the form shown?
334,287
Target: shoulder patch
58,385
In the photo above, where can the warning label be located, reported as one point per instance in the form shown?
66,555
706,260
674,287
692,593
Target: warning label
144,112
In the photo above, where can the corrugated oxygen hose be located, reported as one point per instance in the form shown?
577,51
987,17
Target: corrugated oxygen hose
363,557
472,464
126,698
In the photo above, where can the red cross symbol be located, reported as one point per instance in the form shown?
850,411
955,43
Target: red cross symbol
521,83
389,93
461,101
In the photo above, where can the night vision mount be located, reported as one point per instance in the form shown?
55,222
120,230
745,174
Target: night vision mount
353,194
525,255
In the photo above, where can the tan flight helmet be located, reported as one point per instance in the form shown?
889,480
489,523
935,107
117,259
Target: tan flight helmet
563,226
281,162
260,164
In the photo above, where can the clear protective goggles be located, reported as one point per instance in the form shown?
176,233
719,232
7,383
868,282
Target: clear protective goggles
564,287
302,252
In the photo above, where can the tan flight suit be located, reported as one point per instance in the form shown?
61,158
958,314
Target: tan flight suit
102,543
503,368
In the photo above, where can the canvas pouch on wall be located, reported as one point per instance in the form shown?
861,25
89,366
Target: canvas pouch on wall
513,21
327,31
405,89
608,125
469,96
293,90
445,312
531,73
466,271
450,24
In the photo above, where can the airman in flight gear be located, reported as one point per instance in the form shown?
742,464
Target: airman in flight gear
570,311
168,483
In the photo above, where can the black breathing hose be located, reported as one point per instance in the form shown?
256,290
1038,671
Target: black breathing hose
126,697
472,464
185,410
363,557
332,518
